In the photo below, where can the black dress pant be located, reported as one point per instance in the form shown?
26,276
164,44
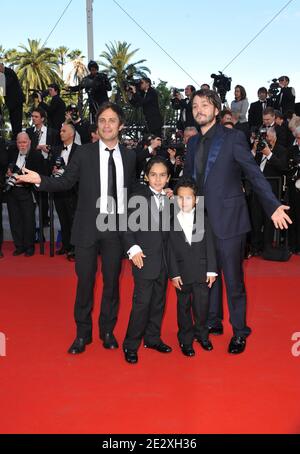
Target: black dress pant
65,205
230,256
149,300
192,312
262,234
110,247
16,118
21,212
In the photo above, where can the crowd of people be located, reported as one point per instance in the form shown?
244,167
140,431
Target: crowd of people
217,153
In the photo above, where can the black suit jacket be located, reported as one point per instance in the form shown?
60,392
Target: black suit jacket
85,169
153,242
276,166
255,114
14,94
56,112
285,100
191,262
149,103
52,138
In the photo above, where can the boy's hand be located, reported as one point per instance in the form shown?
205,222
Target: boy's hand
177,282
137,259
210,280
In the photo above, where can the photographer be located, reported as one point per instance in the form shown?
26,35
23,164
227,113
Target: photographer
13,97
176,158
81,126
147,98
149,147
272,160
96,85
20,201
255,115
294,192
56,110
285,100
269,122
65,201
186,118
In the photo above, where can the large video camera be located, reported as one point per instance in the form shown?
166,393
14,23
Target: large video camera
274,90
12,180
222,84
37,91
89,83
130,82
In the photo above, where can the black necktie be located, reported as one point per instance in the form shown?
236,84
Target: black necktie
112,182
65,148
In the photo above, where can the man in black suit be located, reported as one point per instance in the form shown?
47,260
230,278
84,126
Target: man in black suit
14,98
103,168
186,118
269,122
56,110
255,114
65,201
43,138
20,201
147,98
272,161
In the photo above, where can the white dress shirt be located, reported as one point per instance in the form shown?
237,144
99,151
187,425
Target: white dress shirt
43,139
104,157
65,154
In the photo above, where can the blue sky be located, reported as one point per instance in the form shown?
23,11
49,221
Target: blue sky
201,36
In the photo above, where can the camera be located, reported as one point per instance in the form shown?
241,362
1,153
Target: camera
129,82
11,181
60,165
261,137
73,110
222,84
36,92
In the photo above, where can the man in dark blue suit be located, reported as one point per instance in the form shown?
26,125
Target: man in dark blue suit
216,158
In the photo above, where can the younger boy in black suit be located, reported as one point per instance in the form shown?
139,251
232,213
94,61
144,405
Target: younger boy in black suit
192,268
147,248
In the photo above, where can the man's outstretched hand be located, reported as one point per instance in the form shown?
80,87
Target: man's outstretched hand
28,177
280,218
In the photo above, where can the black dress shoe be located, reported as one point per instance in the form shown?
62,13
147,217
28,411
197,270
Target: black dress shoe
161,347
205,344
131,356
18,252
29,253
71,256
237,345
60,251
78,345
187,350
110,342
216,330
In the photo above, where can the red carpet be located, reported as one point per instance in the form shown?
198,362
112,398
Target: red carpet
44,390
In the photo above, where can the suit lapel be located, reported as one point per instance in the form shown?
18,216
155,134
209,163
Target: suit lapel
214,150
125,165
95,160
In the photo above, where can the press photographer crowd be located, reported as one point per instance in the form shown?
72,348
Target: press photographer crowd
271,125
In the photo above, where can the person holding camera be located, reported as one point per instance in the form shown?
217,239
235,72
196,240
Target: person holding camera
269,122
66,201
285,100
186,118
13,97
272,160
56,110
147,150
147,97
81,126
20,200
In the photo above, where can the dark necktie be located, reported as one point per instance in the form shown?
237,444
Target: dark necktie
112,182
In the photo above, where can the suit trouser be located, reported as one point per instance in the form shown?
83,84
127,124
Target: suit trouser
111,251
148,304
192,303
16,118
259,239
230,256
21,212
65,205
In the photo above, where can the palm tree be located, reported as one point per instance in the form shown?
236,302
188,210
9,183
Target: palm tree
79,70
36,66
62,53
119,67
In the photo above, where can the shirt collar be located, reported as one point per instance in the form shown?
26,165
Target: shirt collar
210,133
103,146
156,192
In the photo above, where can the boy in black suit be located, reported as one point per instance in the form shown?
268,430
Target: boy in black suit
192,268
147,248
